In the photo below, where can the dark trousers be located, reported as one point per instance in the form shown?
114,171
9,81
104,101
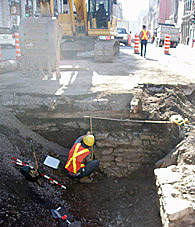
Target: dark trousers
89,168
143,44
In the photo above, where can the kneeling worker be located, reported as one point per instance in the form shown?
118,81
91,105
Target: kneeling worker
80,164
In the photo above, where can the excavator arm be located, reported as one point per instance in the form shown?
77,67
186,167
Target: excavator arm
47,7
81,12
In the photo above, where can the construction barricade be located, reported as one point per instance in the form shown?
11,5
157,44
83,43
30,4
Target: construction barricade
167,44
17,46
0,54
193,41
136,44
129,40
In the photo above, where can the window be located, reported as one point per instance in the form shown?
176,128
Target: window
121,31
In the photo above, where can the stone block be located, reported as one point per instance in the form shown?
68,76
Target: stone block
53,129
120,151
119,159
72,125
83,126
101,136
130,135
153,142
165,175
136,142
110,142
146,137
108,151
135,134
147,151
177,209
133,165
121,164
132,156
123,142
114,172
105,165
106,158
176,203
132,168
146,142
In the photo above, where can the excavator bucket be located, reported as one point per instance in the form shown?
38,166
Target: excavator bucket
104,51
40,45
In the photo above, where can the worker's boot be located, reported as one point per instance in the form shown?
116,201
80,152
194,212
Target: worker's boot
86,180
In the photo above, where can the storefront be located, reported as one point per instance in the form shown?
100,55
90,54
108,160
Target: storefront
15,12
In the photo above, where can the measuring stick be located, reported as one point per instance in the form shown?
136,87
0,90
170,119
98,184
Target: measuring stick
21,163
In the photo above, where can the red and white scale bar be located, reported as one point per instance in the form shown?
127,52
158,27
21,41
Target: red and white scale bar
52,180
21,163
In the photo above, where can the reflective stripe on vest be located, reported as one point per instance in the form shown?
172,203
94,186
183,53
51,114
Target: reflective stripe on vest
144,35
76,156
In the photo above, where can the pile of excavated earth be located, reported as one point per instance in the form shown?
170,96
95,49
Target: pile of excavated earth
107,201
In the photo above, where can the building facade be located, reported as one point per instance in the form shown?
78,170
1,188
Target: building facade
187,27
164,11
177,12
5,20
153,15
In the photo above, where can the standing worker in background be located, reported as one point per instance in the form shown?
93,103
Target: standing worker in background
144,36
80,164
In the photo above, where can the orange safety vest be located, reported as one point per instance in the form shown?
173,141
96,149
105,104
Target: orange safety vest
144,35
75,158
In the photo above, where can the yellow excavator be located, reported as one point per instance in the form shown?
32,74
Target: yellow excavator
83,25
90,25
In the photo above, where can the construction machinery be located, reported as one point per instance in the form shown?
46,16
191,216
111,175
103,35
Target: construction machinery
40,41
89,25
83,25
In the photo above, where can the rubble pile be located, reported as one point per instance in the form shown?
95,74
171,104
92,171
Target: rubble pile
175,173
176,190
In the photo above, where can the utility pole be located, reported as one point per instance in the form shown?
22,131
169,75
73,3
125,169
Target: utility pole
34,5
22,7
58,6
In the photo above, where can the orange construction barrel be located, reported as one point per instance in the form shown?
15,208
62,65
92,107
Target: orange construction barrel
136,44
167,44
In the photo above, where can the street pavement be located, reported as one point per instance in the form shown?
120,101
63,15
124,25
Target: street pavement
177,67
84,76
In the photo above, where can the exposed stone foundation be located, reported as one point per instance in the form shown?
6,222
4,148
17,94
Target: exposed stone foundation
132,147
176,190
121,147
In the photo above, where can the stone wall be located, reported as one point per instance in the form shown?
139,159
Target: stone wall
121,147
131,146
176,190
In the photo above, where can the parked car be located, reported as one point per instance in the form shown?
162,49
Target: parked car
6,38
122,36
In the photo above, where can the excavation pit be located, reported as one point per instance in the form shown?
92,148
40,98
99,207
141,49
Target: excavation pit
123,192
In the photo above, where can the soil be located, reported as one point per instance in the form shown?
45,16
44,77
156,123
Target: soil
106,202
